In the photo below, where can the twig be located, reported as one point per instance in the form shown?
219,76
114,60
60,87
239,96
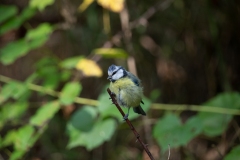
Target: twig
197,108
50,92
159,106
130,125
169,152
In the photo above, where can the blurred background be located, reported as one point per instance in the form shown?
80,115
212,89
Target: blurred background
54,57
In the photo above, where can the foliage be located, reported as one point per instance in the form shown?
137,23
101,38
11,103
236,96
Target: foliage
170,130
60,83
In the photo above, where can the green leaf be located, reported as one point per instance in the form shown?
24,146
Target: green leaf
20,89
69,92
6,92
45,113
106,108
42,30
13,50
16,21
16,155
7,11
192,128
167,131
15,90
170,131
38,36
102,131
234,154
83,118
70,63
23,139
40,4
111,52
9,138
27,13
215,124
225,100
12,111
48,72
13,23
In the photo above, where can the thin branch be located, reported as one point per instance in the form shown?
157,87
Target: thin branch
197,108
130,125
159,106
50,92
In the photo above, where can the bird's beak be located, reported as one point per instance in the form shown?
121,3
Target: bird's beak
109,78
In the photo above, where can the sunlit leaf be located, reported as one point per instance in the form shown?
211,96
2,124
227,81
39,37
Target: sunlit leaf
85,4
113,5
111,52
38,36
40,4
14,90
13,50
234,154
9,138
45,113
69,92
89,68
7,11
6,92
102,131
17,155
83,118
42,30
12,111
24,138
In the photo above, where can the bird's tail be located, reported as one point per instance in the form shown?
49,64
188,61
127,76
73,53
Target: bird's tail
139,110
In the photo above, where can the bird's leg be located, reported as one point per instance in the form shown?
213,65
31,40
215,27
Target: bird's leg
126,115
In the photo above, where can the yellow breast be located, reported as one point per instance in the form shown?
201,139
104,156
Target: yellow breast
127,93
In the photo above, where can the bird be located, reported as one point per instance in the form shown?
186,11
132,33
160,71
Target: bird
127,89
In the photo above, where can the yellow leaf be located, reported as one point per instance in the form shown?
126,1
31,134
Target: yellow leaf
111,52
85,4
113,5
89,68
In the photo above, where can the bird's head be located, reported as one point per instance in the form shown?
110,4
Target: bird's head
116,72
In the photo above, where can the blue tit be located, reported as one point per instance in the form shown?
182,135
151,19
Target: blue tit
127,88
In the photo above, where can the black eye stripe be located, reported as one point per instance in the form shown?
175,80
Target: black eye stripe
116,71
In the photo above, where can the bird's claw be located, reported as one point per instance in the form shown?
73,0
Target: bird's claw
125,117
113,94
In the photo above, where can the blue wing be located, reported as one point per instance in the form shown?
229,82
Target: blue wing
135,80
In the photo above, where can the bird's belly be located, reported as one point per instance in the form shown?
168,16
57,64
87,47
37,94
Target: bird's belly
130,97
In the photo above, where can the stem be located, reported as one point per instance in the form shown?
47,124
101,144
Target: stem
50,92
195,108
130,125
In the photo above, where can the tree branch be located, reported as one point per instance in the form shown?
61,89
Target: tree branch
130,125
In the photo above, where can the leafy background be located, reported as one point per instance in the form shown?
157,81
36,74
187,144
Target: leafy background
54,57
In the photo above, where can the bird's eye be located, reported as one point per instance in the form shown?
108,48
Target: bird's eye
114,72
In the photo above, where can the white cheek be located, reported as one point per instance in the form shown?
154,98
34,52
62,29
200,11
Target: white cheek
118,75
